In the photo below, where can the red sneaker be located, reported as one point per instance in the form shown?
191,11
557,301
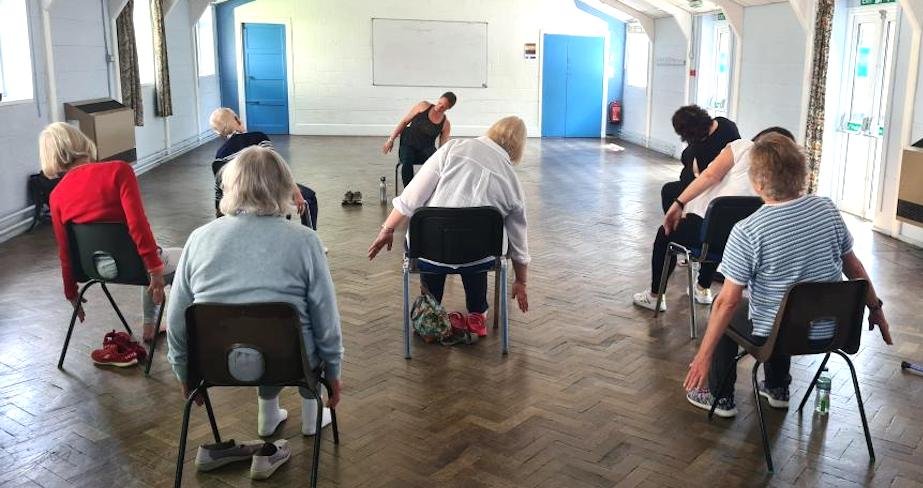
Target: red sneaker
113,355
125,342
459,321
477,324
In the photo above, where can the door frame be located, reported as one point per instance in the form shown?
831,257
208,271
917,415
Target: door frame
876,169
239,20
541,75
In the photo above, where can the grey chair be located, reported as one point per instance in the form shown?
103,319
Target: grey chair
214,331
458,236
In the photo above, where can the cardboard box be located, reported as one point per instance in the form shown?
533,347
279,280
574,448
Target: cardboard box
107,123
910,192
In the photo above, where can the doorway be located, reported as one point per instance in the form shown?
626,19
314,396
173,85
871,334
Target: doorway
714,48
265,78
861,118
572,86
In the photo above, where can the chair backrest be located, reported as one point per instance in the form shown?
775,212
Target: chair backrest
267,335
97,245
456,235
811,311
722,214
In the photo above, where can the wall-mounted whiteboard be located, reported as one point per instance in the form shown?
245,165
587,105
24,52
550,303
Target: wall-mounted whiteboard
408,52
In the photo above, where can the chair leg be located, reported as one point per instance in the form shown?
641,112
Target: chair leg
407,337
178,478
333,413
692,329
115,307
504,311
150,354
759,411
317,436
865,422
663,281
497,297
807,393
396,181
211,415
723,383
70,328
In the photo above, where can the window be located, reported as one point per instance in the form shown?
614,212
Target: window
205,42
637,53
15,51
144,41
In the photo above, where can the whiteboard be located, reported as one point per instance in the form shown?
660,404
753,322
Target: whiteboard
439,53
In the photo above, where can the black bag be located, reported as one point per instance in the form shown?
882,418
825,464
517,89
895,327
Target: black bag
39,192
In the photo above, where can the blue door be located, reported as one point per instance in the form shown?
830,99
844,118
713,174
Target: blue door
572,86
265,83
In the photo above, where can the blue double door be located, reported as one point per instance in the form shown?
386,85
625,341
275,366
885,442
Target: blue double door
265,78
572,86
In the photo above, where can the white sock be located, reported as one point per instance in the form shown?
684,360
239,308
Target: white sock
309,416
269,416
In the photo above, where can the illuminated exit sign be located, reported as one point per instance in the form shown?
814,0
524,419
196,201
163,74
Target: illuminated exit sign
874,2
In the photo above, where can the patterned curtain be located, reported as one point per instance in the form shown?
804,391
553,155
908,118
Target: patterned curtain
163,100
128,62
814,131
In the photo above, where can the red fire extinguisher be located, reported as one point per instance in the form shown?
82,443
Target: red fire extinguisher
615,112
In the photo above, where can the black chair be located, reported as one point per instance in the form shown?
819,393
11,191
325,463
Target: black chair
843,301
458,236
214,331
109,241
722,214
397,181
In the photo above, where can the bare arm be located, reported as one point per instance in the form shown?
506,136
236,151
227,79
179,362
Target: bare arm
712,175
853,269
419,107
446,130
721,313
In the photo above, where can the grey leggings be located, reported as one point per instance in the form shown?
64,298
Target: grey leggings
170,257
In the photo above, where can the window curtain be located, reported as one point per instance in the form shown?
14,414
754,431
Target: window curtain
814,132
163,101
128,62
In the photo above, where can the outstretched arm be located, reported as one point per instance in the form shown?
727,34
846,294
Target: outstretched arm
715,172
446,130
419,107
853,269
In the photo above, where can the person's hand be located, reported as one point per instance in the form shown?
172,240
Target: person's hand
335,387
877,317
697,377
385,238
387,147
79,306
519,293
156,287
672,218
198,398
300,203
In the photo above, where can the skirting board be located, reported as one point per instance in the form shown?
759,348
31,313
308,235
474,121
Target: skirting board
384,130
19,221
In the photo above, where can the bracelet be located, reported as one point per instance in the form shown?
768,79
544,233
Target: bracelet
386,228
682,206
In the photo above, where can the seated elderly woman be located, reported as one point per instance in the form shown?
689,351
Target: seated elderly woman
726,176
807,234
253,254
91,191
228,125
471,173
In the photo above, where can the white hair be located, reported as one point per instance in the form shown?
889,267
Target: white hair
257,181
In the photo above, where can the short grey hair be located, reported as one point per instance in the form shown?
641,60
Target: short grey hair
257,181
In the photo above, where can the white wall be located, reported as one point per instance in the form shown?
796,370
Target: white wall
331,80
668,84
771,70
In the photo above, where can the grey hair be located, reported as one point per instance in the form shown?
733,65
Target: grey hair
257,181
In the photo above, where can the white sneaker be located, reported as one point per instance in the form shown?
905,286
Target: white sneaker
309,417
646,300
268,459
702,296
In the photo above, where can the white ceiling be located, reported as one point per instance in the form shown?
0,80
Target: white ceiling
650,8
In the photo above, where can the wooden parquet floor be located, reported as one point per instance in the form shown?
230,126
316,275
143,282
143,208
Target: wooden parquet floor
590,395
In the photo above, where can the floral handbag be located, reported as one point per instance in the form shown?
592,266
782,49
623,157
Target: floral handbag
429,319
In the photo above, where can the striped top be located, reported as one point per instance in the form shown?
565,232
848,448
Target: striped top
802,240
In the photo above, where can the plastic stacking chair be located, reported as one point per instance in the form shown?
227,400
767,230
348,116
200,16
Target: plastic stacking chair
804,303
92,244
458,236
268,334
722,214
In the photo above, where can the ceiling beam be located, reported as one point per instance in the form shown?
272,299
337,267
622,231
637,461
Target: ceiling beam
115,8
196,9
683,17
646,21
734,13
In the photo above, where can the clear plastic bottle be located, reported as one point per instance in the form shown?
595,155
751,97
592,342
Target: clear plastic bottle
822,400
382,191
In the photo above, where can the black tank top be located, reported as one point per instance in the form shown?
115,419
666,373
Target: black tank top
421,132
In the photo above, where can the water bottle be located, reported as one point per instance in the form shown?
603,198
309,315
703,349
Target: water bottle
382,191
822,400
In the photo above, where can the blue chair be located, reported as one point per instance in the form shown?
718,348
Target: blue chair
457,236
722,214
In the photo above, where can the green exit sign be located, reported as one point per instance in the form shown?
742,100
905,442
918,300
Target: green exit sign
875,2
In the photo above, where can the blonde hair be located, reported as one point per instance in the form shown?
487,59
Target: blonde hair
223,121
510,134
256,181
778,167
61,146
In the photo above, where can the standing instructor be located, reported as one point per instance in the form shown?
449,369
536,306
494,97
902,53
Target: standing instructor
418,131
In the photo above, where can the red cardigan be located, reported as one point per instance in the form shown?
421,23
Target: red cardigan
100,192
